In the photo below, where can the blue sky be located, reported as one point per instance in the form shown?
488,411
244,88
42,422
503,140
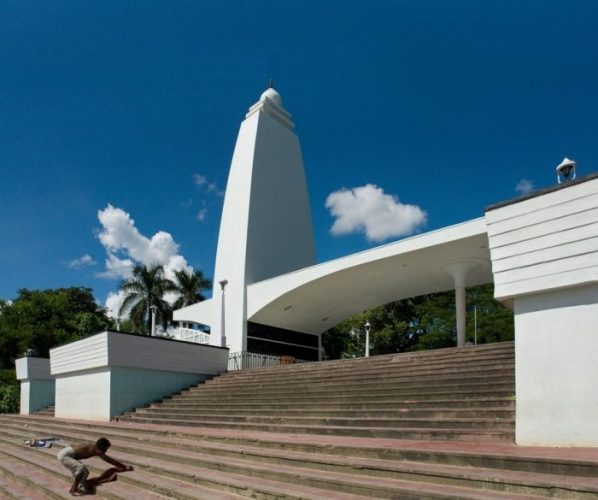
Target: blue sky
129,111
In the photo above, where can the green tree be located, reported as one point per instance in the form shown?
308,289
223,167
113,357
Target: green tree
426,322
43,319
494,322
189,287
146,288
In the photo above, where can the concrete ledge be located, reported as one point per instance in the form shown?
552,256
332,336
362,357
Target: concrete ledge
109,373
33,368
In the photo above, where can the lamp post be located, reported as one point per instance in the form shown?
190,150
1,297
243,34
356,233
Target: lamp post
116,318
475,325
153,309
223,284
367,339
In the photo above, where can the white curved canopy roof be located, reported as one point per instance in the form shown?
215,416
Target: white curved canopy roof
318,297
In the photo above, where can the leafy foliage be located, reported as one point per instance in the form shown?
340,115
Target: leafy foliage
42,319
146,288
9,399
426,322
189,287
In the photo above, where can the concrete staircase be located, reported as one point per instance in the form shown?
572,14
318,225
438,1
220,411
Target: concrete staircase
331,452
48,411
204,463
449,394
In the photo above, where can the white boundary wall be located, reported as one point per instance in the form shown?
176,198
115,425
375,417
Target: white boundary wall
37,384
105,375
545,262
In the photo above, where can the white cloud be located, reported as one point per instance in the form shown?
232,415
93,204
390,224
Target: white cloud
201,215
126,246
86,260
207,185
117,268
199,179
367,209
524,186
113,303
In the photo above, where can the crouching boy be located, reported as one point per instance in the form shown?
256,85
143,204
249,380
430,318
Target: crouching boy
71,457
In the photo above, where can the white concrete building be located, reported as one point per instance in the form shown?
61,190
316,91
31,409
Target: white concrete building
37,384
107,374
545,263
276,301
541,251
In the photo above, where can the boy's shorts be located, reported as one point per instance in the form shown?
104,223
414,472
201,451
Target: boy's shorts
65,457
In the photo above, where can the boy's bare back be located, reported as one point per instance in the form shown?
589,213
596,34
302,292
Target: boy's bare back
83,451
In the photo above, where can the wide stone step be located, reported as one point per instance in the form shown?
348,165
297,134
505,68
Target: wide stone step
54,481
329,473
389,380
450,353
318,369
254,389
295,464
173,404
569,462
433,432
371,366
491,413
327,398
157,479
30,480
379,422
447,354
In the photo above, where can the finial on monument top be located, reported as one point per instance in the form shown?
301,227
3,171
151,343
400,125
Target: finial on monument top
271,94
271,103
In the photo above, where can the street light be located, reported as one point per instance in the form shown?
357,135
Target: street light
223,284
367,339
117,318
153,309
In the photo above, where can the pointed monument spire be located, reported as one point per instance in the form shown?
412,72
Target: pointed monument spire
265,229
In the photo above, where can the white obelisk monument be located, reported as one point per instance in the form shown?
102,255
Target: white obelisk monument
266,229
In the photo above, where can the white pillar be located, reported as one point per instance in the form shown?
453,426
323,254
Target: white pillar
459,272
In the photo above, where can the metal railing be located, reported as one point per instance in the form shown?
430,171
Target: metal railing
189,335
249,360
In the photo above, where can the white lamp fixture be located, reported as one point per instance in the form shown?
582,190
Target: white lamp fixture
367,339
565,171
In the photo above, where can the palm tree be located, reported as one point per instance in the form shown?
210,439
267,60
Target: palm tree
144,289
189,286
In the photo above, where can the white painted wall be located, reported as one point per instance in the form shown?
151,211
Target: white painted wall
556,350
36,394
137,351
37,384
24,407
84,354
136,370
545,263
546,242
84,394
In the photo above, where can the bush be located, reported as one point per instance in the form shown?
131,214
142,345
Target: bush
9,399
